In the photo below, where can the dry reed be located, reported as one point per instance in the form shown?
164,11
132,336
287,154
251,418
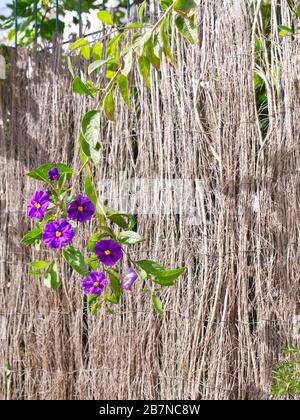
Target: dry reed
227,320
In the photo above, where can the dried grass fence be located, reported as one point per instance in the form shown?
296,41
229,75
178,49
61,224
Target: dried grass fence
229,317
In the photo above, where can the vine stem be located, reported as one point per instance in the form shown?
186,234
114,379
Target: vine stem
102,38
76,176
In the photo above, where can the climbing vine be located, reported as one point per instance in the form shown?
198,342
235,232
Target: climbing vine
61,208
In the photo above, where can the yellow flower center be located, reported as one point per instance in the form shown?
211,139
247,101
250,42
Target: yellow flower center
96,284
57,233
80,208
107,252
37,205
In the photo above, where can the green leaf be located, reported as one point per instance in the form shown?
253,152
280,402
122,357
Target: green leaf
91,299
116,289
78,86
90,127
298,11
142,274
135,26
52,279
129,237
90,190
187,28
48,28
111,299
75,259
39,264
11,35
120,219
150,53
115,285
96,65
165,31
80,42
165,4
142,9
139,41
97,50
109,106
105,17
127,62
157,304
31,237
96,237
186,8
112,48
123,87
35,272
92,262
284,30
151,267
89,152
168,277
85,51
96,306
41,173
144,69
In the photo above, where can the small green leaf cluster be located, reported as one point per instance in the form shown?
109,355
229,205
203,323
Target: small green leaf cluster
140,44
286,377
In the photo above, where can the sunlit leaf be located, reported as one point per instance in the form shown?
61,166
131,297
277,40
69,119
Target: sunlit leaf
130,237
144,69
75,259
52,278
41,172
85,51
96,65
157,304
90,127
105,17
109,106
186,8
80,42
187,28
31,237
78,86
150,53
123,87
151,267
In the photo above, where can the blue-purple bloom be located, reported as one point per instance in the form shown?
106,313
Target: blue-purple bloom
38,205
94,284
58,234
54,174
108,251
81,210
129,279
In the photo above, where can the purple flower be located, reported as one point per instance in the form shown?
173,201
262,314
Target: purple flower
94,284
81,209
53,174
129,279
108,251
58,234
38,205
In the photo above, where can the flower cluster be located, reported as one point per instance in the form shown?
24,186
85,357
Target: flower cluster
59,214
58,233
